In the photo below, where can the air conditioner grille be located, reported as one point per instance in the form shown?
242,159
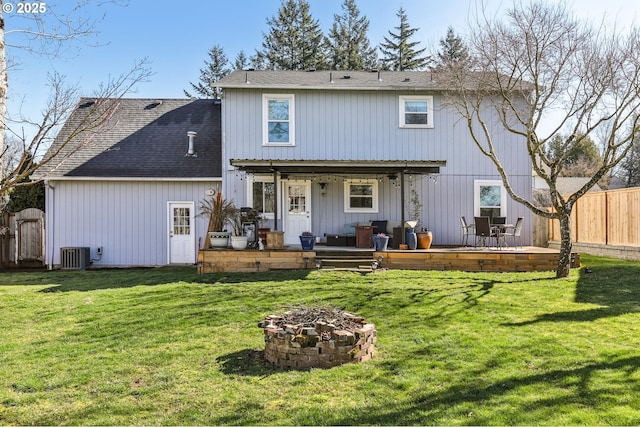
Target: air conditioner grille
74,258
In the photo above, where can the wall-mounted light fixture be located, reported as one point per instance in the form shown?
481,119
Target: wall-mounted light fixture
323,188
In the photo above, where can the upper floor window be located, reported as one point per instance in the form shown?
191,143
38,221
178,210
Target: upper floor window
278,119
361,196
416,111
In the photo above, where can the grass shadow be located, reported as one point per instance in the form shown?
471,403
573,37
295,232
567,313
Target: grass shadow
100,279
610,283
434,407
247,362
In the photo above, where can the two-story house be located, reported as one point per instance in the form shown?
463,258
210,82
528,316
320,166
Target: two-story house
313,151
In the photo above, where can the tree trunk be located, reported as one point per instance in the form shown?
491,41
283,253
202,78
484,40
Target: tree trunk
565,245
3,95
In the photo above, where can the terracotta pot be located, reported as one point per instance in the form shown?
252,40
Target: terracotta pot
424,239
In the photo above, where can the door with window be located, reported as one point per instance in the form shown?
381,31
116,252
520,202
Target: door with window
297,210
181,233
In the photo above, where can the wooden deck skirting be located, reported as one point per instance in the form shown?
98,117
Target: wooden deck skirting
464,259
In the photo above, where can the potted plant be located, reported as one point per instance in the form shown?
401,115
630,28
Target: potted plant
380,241
307,240
238,239
219,211
425,237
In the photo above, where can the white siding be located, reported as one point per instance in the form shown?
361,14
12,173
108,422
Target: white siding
128,219
363,125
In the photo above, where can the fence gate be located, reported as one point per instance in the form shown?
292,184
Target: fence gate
29,238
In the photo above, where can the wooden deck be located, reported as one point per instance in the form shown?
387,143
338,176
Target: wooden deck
529,258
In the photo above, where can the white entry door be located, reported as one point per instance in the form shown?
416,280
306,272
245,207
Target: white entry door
297,210
181,233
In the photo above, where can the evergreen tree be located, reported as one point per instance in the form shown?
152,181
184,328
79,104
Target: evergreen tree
241,62
574,153
258,61
25,193
400,54
215,68
630,167
348,44
452,50
294,41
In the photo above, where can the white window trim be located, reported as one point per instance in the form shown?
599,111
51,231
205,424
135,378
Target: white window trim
347,198
265,119
401,104
476,195
250,181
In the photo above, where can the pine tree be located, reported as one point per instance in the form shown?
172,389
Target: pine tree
294,41
216,68
452,50
348,44
400,54
241,62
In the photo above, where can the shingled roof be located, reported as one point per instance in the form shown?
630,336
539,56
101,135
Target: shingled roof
357,80
145,138
328,80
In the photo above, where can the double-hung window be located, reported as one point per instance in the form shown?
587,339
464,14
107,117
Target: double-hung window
361,196
278,119
490,198
416,111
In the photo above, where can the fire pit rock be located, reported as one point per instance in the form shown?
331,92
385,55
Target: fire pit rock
331,338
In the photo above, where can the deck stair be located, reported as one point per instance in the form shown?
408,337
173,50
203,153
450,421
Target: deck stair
353,260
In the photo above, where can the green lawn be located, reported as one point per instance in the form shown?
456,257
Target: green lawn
167,346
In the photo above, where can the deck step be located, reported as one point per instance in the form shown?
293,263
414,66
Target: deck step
360,261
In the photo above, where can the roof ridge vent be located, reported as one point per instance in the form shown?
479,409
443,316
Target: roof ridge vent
88,103
153,104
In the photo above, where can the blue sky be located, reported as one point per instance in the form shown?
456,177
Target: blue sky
175,36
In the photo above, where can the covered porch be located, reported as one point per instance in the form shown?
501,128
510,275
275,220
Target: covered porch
298,182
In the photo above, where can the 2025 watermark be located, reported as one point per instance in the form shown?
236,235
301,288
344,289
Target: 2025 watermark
25,8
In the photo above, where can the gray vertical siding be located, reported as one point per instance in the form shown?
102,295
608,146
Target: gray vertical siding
363,125
128,219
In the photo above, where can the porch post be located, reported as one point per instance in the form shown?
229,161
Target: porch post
402,206
275,200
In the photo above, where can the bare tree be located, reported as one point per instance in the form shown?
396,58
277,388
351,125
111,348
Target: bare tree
63,101
45,31
540,60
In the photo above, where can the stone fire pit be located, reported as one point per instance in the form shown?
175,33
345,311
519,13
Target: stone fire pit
312,337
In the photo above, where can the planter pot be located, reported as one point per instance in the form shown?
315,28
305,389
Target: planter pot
411,238
380,242
307,242
239,242
424,239
275,239
219,239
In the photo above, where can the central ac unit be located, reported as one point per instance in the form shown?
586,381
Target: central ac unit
75,258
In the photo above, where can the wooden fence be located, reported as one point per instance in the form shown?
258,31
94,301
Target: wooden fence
609,218
22,239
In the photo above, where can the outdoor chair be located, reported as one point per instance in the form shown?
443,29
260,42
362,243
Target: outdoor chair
483,230
513,231
466,231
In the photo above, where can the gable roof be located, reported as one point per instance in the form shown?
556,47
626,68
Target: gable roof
144,138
